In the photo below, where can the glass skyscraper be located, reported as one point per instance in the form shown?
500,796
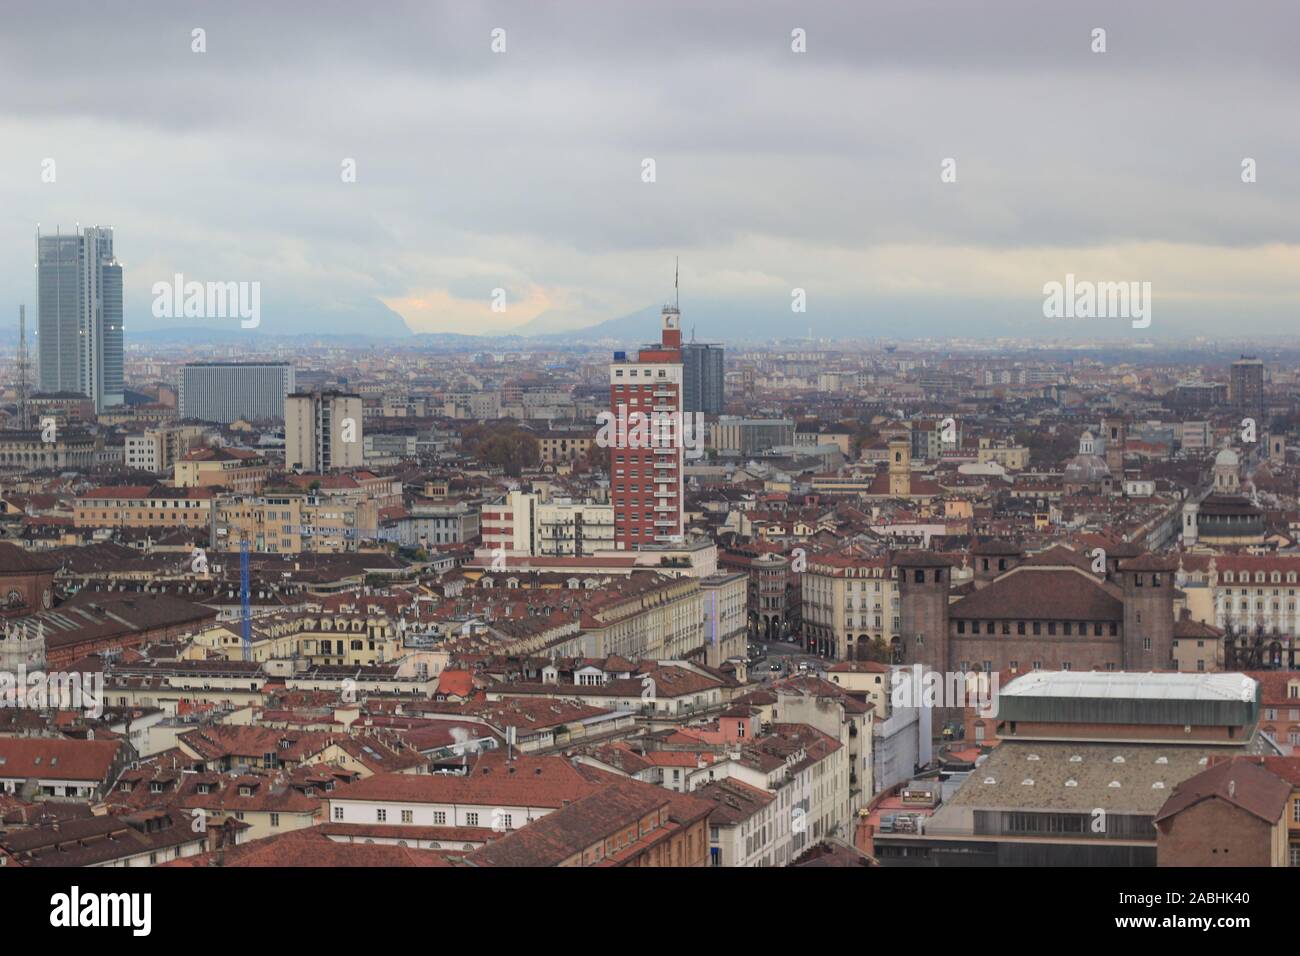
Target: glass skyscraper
703,375
79,312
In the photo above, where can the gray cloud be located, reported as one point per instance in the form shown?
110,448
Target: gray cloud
522,170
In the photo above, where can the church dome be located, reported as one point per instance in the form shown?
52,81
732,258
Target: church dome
1227,458
1086,469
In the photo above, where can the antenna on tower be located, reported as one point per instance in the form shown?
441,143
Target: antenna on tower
23,365
677,272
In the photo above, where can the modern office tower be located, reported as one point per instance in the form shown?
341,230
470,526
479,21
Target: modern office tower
228,391
702,378
1247,389
322,431
79,312
645,464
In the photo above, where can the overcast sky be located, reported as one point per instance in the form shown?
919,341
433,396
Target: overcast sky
774,170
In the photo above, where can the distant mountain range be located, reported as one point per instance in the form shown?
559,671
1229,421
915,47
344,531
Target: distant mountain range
369,321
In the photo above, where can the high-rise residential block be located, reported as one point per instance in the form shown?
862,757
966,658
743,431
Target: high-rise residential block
646,451
322,431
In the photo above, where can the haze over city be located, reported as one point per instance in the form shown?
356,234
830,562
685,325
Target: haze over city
522,170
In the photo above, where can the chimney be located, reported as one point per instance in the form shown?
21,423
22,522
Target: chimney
1232,789
864,835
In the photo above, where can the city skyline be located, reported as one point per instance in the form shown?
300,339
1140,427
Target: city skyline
712,435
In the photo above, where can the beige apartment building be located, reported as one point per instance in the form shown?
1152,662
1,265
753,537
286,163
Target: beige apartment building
723,601
158,448
555,447
1010,457
236,469
293,523
848,602
320,638
526,524
648,618
143,506
322,431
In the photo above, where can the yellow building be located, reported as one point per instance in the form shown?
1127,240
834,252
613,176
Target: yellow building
849,602
1010,457
554,447
324,638
236,469
141,506
293,523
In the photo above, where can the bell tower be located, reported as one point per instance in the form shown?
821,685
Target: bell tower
900,467
1116,434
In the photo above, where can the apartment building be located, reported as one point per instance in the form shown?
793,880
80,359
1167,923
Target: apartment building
646,447
43,768
1009,456
323,431
235,469
555,447
143,506
500,793
625,824
806,773
527,524
158,448
293,523
723,598
849,603
354,639
432,523
650,617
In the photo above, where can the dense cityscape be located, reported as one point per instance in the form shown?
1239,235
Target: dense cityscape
729,438
390,606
